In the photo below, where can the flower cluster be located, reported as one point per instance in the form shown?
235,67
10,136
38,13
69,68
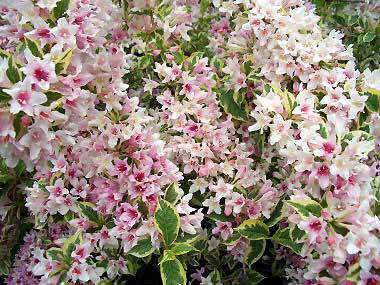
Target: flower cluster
206,138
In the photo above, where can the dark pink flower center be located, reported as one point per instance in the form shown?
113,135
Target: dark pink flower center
77,271
43,33
323,171
41,74
331,80
175,71
315,225
140,176
328,147
188,87
80,252
58,191
194,128
132,213
104,235
23,97
122,167
372,281
304,108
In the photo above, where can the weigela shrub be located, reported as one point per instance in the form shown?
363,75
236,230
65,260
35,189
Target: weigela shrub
224,142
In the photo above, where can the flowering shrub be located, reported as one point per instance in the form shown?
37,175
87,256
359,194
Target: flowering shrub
359,21
223,142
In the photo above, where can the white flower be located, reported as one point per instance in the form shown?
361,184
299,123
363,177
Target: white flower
372,79
49,4
3,69
183,205
213,205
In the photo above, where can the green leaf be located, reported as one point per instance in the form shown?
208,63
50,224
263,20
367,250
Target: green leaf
3,179
276,215
168,255
233,238
253,230
251,278
215,277
289,101
363,116
373,102
69,216
20,168
4,97
4,54
143,248
339,228
55,253
369,37
144,62
87,210
352,20
255,251
52,96
282,236
187,238
182,248
166,220
17,124
4,267
13,73
323,131
305,207
297,235
61,8
172,193
172,273
226,100
62,62
204,6
353,273
34,48
70,244
239,96
220,217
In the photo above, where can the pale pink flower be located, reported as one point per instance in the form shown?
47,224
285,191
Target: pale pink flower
24,98
315,229
39,71
223,229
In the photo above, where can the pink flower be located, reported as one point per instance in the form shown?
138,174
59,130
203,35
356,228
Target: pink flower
234,204
223,229
106,238
315,229
39,71
24,98
322,174
120,167
79,272
58,190
128,214
37,139
192,223
222,189
6,125
81,252
65,33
